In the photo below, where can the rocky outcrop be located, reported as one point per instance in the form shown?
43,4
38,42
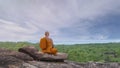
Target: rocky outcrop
8,59
70,64
30,50
59,57
33,52
12,59
19,55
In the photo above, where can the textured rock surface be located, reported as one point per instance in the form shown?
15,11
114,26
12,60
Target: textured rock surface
33,52
47,57
9,60
19,55
30,50
69,64
12,59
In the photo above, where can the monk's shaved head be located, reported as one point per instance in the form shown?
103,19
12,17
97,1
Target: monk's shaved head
46,33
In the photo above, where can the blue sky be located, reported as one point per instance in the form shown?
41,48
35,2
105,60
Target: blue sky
68,21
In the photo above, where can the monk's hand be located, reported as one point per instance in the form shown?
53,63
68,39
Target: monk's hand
45,48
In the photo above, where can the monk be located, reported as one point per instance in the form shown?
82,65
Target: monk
46,45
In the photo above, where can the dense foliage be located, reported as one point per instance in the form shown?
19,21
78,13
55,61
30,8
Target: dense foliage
107,52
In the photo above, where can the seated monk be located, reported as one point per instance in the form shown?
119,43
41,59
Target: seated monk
46,45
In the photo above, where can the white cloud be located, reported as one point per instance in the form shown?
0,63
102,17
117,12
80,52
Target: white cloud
13,31
28,19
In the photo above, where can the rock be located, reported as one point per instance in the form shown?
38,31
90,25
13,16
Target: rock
19,55
30,50
47,57
71,64
50,64
10,62
27,65
33,52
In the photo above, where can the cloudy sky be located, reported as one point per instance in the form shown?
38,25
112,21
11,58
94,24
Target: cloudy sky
68,21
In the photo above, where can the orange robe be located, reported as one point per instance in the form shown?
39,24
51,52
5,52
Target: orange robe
46,46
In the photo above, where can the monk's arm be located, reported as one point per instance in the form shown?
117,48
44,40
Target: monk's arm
43,44
52,42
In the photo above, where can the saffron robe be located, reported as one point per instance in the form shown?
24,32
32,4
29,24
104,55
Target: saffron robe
46,45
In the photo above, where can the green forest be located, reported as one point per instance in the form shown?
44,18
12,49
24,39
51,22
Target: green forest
98,52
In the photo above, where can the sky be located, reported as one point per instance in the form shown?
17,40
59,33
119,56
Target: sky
68,21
